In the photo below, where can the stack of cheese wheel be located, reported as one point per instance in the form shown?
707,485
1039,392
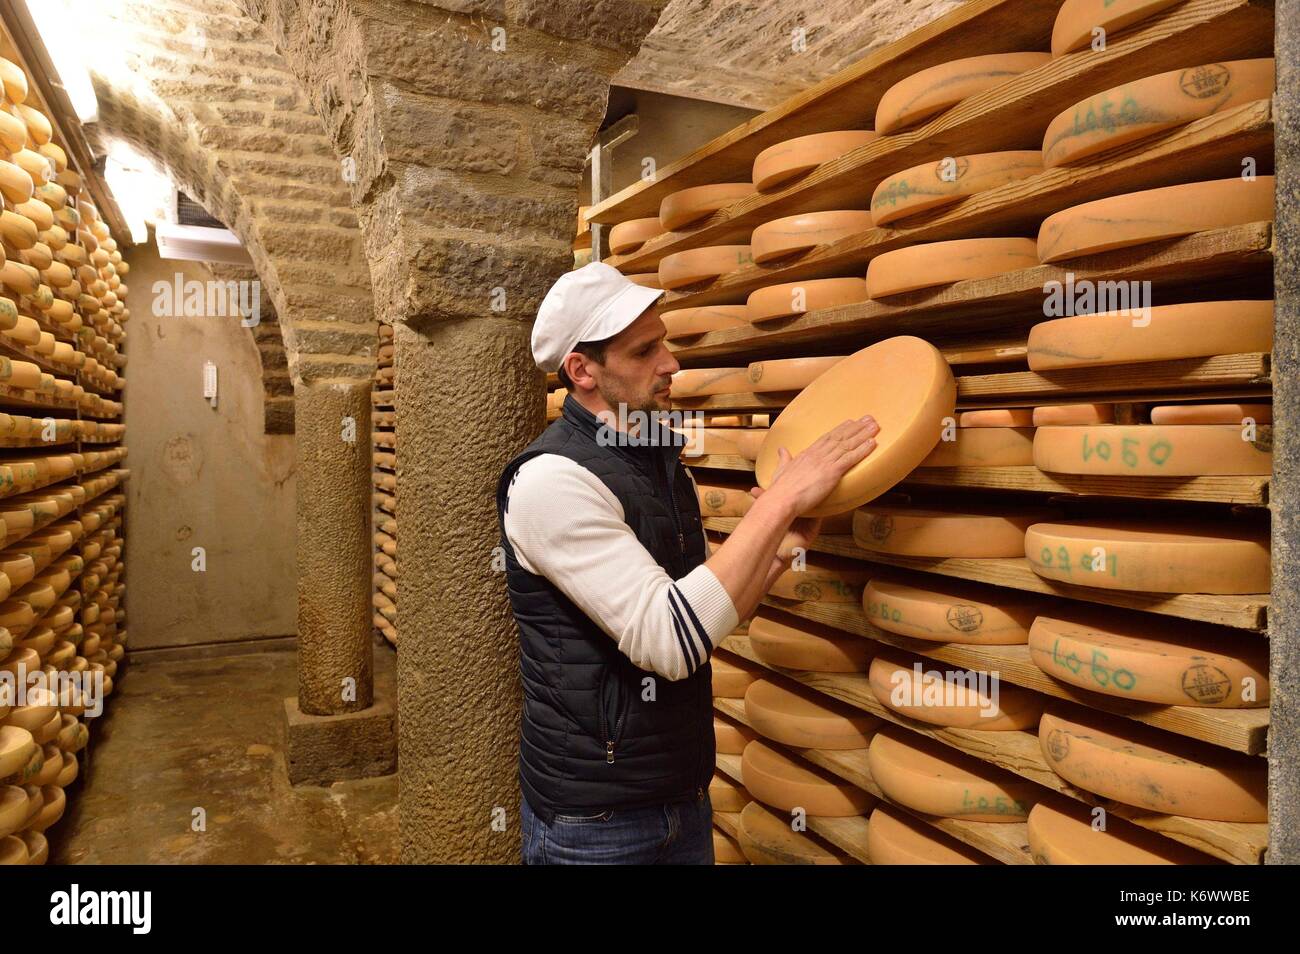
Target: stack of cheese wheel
982,533
956,698
383,434
989,438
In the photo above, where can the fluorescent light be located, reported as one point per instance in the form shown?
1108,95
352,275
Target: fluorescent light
196,243
59,28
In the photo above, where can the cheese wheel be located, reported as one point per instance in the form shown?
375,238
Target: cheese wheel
984,447
957,698
822,580
1152,556
732,675
1151,105
788,374
726,851
1001,417
38,167
67,774
38,126
42,216
788,784
13,850
767,839
726,795
627,237
896,838
796,298
19,278
697,265
796,234
717,500
1154,450
15,183
730,738
38,849
903,382
736,441
14,806
951,179
935,779
18,230
942,263
14,80
1170,332
1152,660
1124,220
777,165
51,765
1212,414
689,206
941,87
1154,770
54,152
952,612
973,533
1076,20
645,279
1072,414
806,719
1062,833
701,382
16,748
13,131
697,321
51,809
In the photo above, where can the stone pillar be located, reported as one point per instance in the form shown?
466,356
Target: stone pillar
335,728
468,398
1284,615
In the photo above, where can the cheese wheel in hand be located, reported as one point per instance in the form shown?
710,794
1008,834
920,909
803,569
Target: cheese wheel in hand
941,87
1238,414
1151,105
903,382
732,675
629,236
1061,832
984,447
1077,19
1166,333
1154,450
766,838
806,719
935,779
896,838
951,179
697,265
777,165
795,298
1071,414
1124,220
796,234
730,738
697,321
958,698
1152,556
689,206
1154,770
1148,659
788,783
924,532
943,263
952,611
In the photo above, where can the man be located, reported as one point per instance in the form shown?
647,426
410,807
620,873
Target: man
618,602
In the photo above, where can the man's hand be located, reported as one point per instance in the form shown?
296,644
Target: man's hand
807,479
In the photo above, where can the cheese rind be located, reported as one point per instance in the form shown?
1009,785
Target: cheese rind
1076,20
1238,414
997,417
1151,105
726,851
767,839
935,779
701,382
788,784
1152,660
730,738
727,795
697,321
930,264
1152,556
953,613
896,838
788,374
957,698
777,165
706,264
627,237
822,580
1166,333
1062,833
951,179
796,298
806,719
1153,450
1071,414
984,447
941,87
688,206
1154,214
795,234
915,531
717,500
1154,770
903,382
732,675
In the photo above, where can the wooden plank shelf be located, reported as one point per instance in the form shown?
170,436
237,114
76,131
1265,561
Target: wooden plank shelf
1012,300
23,398
1019,752
1249,612
21,352
1242,730
1218,29
728,823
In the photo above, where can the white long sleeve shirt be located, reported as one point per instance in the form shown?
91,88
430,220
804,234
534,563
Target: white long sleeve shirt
566,525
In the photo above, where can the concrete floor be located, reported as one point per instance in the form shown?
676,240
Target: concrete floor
206,732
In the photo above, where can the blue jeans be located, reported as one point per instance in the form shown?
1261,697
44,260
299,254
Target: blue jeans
680,833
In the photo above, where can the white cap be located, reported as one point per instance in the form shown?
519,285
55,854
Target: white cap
587,304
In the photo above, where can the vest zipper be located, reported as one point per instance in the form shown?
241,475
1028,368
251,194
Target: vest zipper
610,738
670,470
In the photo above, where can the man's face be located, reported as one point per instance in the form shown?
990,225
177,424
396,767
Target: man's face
638,367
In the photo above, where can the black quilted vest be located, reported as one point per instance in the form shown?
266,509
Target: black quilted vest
597,732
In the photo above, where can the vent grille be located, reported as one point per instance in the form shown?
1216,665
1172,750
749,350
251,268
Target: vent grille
189,212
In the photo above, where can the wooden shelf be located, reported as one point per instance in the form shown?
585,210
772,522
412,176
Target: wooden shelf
1243,491
1248,612
1019,752
19,397
728,823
